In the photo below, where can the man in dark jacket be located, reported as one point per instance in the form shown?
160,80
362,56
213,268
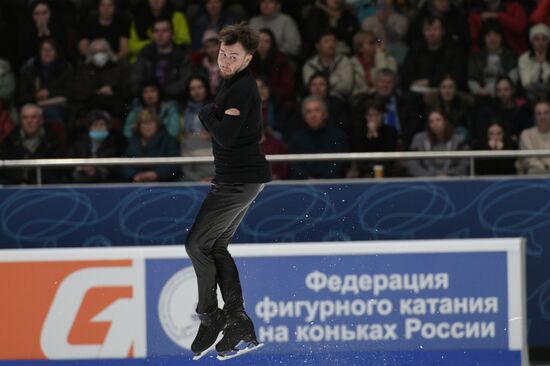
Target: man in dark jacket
32,140
235,123
164,62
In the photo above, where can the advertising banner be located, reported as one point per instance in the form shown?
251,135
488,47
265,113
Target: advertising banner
446,302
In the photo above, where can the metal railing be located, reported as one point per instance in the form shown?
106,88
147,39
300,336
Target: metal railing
471,155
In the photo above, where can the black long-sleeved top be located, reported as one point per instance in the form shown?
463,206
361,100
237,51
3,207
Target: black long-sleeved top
236,139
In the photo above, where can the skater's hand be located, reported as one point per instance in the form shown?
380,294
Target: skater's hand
233,112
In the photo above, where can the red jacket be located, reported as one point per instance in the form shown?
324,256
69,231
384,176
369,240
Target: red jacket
512,19
541,13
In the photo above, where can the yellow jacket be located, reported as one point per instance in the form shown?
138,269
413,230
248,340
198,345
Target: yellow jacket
181,35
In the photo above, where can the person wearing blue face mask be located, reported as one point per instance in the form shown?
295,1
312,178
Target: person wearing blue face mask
99,142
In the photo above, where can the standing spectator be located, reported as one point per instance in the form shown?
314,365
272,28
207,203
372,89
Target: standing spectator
106,22
389,26
43,25
100,142
495,138
489,63
344,79
32,140
534,64
195,140
151,140
272,64
431,58
151,99
281,25
537,137
510,14
212,17
142,28
101,82
453,17
206,60
510,109
455,104
370,56
331,15
46,81
439,136
163,62
317,137
372,136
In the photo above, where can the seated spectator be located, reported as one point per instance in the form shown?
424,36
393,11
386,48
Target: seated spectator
318,136
453,17
373,136
31,140
42,25
7,89
541,13
370,56
404,117
272,64
537,137
282,26
490,62
164,62
510,109
330,16
276,115
100,142
205,61
534,64
212,17
101,82
338,111
142,32
510,14
271,145
455,104
46,81
344,79
151,99
431,58
151,140
496,138
440,135
106,22
195,140
389,26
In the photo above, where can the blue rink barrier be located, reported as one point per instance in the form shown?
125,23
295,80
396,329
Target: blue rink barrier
337,211
416,358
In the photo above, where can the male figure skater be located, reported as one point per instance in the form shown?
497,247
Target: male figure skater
235,123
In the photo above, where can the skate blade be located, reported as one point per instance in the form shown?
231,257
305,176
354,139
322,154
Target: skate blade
198,356
239,352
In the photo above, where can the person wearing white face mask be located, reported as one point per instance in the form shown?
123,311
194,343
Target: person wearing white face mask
101,81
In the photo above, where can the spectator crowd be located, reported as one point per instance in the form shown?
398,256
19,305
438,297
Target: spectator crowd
127,78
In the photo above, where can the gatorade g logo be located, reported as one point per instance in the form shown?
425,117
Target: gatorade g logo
77,310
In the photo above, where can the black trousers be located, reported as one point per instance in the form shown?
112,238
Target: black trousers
219,217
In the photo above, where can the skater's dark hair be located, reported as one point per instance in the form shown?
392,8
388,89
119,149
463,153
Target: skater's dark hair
240,33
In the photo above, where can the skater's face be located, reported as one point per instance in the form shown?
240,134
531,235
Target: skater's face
315,114
197,90
232,59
